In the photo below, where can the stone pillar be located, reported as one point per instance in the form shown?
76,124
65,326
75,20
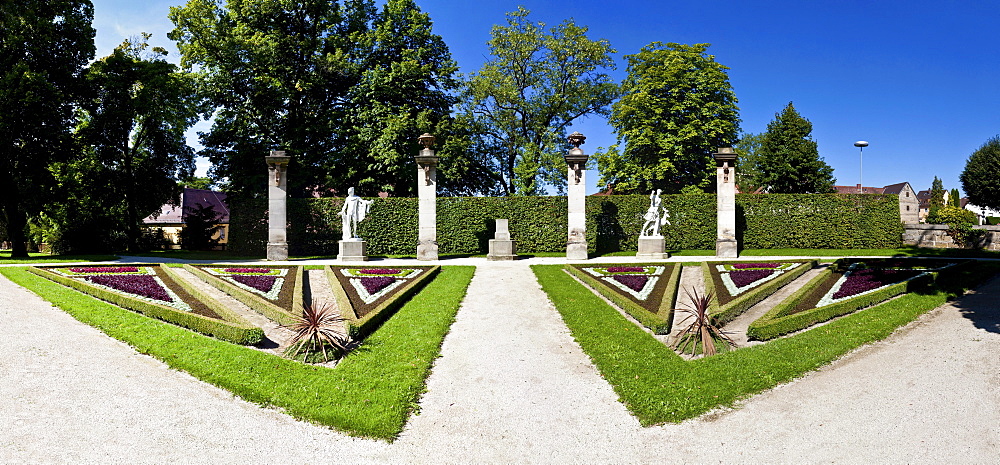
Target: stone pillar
725,243
427,247
576,244
501,246
277,194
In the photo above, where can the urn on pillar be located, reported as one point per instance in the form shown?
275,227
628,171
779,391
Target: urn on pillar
576,161
427,247
726,245
277,193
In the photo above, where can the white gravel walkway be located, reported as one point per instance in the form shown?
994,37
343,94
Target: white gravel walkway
511,386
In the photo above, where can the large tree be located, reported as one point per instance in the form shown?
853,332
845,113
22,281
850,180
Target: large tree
44,45
788,158
979,178
747,169
535,84
936,201
677,108
343,87
131,131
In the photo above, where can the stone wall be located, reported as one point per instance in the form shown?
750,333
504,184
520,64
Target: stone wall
936,236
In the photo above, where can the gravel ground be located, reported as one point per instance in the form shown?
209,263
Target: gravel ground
511,386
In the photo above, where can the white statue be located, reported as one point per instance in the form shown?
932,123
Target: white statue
354,210
655,217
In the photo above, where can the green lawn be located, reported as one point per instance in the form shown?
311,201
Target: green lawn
46,258
371,393
658,386
900,252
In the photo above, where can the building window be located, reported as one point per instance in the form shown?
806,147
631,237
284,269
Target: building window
907,208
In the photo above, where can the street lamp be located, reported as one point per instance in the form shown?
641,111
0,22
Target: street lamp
861,144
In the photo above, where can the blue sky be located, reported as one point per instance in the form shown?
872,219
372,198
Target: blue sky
917,79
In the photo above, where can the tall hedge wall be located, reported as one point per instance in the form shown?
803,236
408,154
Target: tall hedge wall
465,224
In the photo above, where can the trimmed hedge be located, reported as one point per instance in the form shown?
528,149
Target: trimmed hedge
236,330
358,328
538,224
659,323
255,302
723,314
778,322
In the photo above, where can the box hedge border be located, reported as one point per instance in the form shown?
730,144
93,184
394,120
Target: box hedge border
237,332
724,314
659,323
465,224
359,328
255,302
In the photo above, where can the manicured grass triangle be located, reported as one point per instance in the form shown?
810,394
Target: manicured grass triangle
368,295
648,292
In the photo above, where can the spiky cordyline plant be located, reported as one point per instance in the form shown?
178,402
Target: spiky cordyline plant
318,326
701,329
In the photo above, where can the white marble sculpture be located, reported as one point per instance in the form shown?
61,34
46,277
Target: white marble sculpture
353,212
655,216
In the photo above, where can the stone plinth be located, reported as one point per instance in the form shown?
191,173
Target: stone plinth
353,251
501,246
726,245
576,176
427,247
651,248
277,223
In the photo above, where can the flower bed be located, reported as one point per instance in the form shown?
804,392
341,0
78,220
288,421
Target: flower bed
849,285
368,296
273,291
741,285
151,290
646,291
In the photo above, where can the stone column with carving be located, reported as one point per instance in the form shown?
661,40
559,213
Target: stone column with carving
427,247
726,245
576,244
277,195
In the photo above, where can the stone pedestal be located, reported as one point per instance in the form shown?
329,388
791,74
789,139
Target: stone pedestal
427,247
277,223
353,251
576,176
501,246
651,248
726,245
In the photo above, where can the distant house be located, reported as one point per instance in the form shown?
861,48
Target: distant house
925,202
981,212
172,218
909,201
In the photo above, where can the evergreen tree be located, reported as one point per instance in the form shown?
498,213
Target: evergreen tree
953,199
44,46
979,178
677,108
747,166
936,202
789,161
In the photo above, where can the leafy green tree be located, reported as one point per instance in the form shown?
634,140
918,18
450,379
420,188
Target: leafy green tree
132,127
44,46
343,87
747,169
197,182
677,108
788,159
936,202
979,178
535,84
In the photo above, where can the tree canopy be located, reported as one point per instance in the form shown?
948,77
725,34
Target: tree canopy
677,108
788,159
44,46
536,83
979,178
748,175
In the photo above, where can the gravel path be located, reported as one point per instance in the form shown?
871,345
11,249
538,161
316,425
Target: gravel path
511,386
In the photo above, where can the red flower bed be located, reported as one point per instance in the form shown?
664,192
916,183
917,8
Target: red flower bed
744,277
866,279
261,283
139,284
742,266
106,269
380,271
626,269
375,284
634,282
247,270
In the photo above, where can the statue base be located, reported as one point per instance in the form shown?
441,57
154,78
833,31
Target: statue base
651,248
352,251
277,251
576,251
501,249
726,248
427,250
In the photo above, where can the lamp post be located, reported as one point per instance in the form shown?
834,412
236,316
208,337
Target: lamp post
861,144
